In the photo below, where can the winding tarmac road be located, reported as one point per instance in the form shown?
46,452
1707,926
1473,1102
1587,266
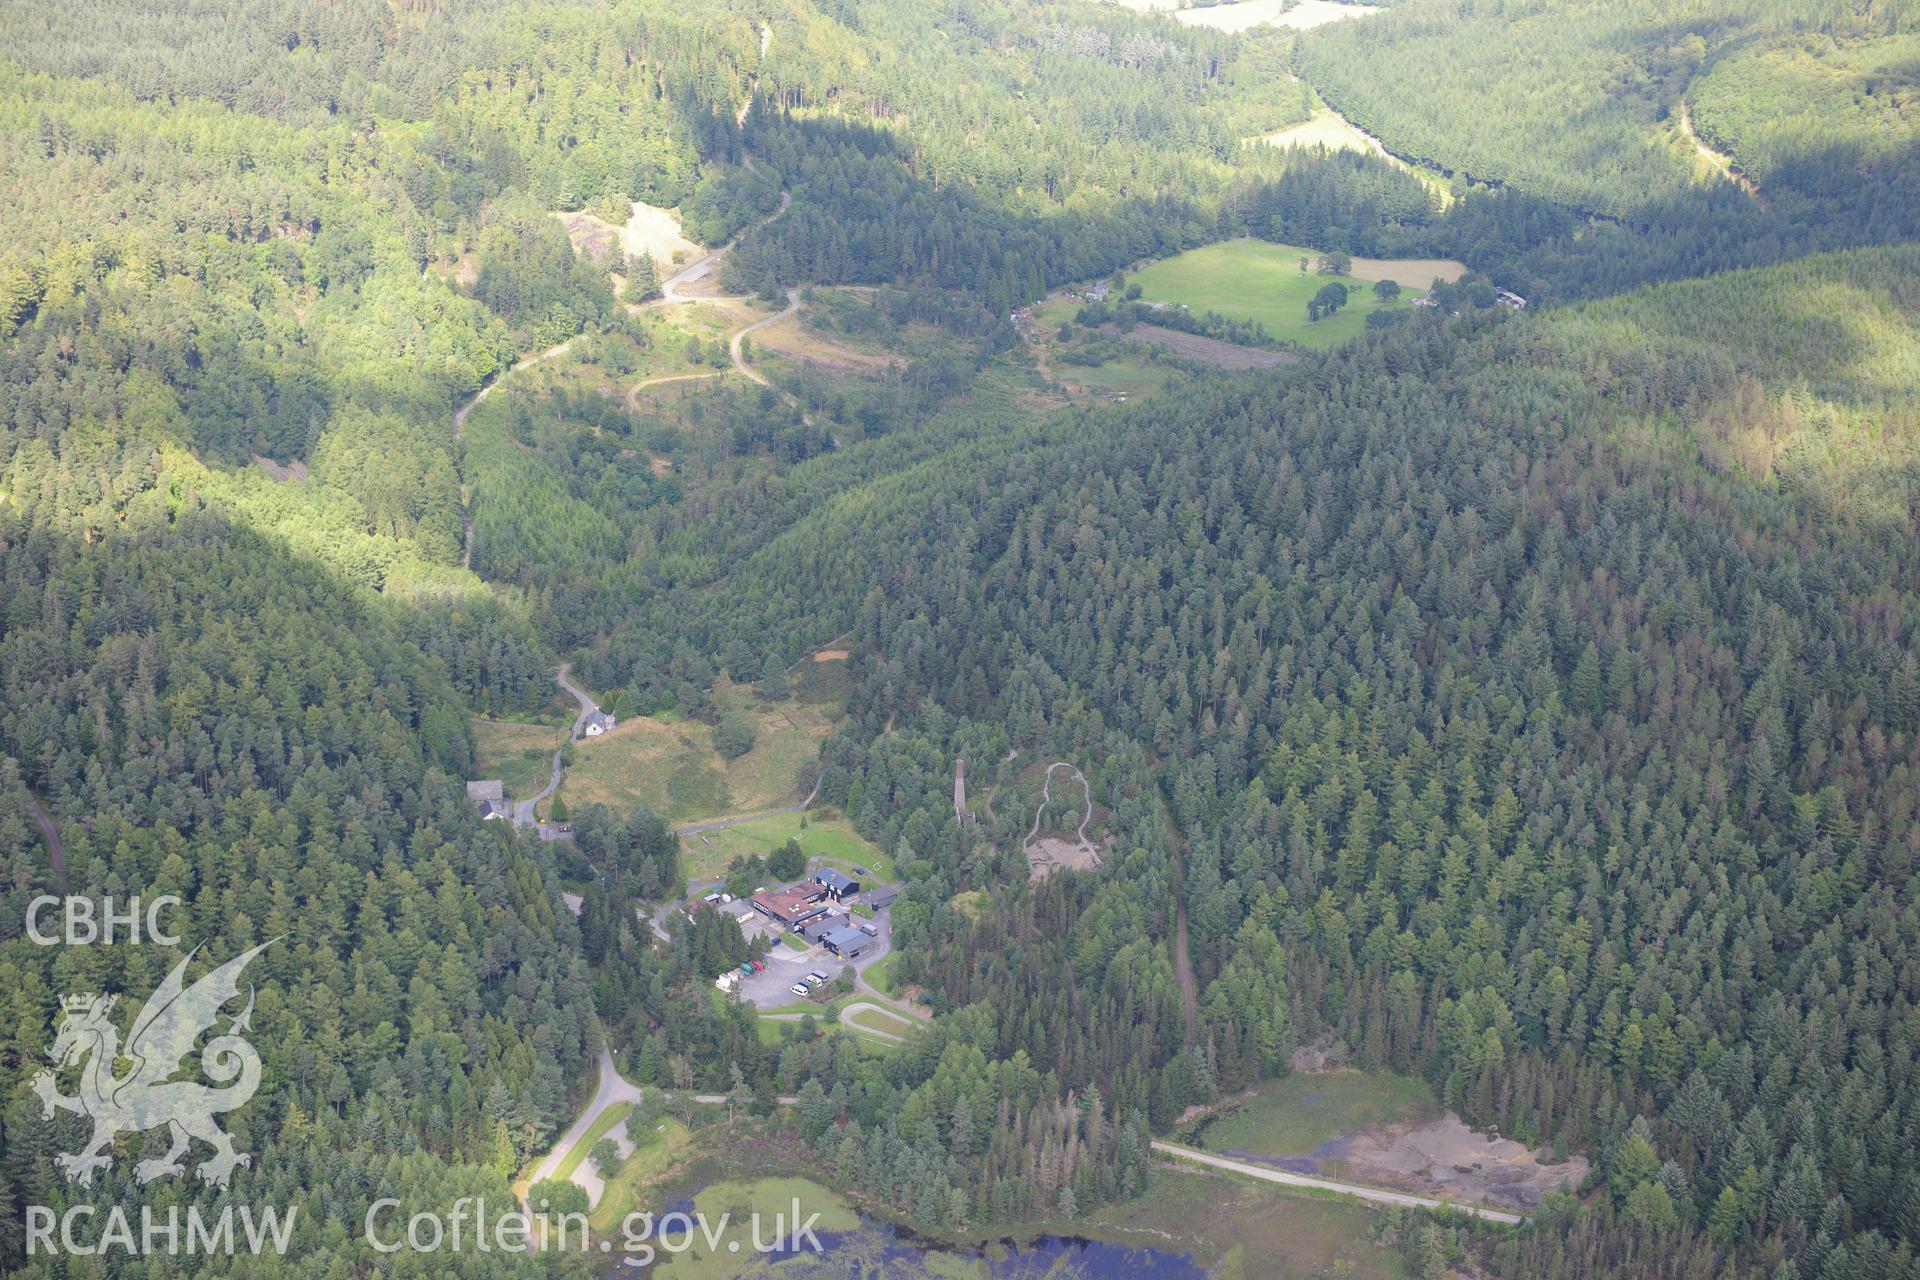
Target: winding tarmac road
613,1090
1286,1179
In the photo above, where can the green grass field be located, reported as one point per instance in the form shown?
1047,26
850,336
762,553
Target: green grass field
519,755
1258,281
1129,375
832,839
1295,1114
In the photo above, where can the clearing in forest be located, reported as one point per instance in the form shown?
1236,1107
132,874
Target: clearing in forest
1066,821
794,338
1300,15
1194,346
1095,364
1259,281
1325,128
1378,1128
649,229
672,766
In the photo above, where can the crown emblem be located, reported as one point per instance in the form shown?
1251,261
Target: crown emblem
83,1002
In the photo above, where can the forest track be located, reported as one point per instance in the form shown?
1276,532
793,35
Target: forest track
525,362
56,852
633,392
1722,163
459,426
1376,1194
1182,956
670,287
721,824
734,343
1046,798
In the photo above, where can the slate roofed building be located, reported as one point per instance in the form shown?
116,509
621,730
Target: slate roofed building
838,884
490,795
816,930
848,942
880,897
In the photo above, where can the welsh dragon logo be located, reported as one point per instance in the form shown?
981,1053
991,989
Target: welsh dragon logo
146,1097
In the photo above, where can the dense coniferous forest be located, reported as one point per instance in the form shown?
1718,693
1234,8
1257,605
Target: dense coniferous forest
1527,701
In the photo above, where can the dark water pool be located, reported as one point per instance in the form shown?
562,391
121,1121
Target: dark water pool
880,1251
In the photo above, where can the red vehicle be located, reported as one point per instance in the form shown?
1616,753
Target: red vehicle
758,966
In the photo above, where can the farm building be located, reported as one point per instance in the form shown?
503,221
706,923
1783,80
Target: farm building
491,796
838,884
791,907
848,942
598,722
880,897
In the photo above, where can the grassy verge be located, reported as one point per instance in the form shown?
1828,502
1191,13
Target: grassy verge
884,1023
879,975
610,1120
654,1156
